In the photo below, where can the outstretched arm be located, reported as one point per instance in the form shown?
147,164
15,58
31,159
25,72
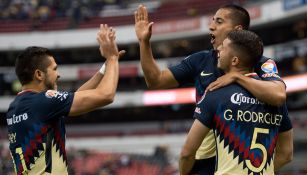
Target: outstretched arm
154,77
271,92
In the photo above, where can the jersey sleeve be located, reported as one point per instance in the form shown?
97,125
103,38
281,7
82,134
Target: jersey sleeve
55,103
205,110
286,124
267,70
188,68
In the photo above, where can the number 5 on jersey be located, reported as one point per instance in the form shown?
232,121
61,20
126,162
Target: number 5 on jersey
262,148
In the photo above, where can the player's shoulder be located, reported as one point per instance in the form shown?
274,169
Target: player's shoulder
265,59
226,92
267,65
221,93
54,94
48,96
202,54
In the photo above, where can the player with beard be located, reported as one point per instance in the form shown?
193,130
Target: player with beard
201,70
35,119
251,137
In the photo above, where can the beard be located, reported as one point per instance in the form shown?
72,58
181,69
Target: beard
50,85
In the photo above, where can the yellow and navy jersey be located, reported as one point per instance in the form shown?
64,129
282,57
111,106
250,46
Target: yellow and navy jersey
245,130
36,131
200,69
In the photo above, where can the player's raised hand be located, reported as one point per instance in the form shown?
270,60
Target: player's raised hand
106,39
143,28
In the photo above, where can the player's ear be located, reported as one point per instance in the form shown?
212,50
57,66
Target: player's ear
235,61
39,75
238,27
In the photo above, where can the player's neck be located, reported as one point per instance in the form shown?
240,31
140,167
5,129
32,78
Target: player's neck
33,87
242,71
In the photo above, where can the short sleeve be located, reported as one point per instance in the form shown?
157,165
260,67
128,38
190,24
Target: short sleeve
267,70
286,124
205,110
54,104
189,67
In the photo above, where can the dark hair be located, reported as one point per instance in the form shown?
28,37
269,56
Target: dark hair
239,15
29,60
248,45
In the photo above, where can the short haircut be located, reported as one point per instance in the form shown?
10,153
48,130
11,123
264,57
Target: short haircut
29,60
239,15
247,45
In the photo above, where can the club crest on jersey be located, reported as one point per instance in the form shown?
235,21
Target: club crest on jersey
51,93
269,67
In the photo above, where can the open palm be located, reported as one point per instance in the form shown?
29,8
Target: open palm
143,28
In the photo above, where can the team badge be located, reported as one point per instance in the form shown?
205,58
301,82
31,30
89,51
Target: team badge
51,93
269,67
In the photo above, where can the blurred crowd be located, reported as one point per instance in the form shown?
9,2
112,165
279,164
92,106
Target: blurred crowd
89,162
39,11
48,9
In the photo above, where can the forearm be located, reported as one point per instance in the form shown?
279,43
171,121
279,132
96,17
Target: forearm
150,68
270,92
108,84
279,162
186,164
283,149
91,83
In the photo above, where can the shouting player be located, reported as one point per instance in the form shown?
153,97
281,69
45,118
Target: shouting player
246,130
201,70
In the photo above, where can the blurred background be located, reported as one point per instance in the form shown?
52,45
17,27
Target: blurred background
143,131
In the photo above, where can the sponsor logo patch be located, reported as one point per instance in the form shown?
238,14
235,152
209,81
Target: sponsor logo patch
269,67
203,74
238,98
270,75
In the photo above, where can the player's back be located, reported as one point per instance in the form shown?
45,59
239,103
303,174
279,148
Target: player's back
246,130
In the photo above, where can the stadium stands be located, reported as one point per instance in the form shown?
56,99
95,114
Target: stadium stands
23,21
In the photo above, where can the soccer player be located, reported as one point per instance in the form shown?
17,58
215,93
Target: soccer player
246,130
201,70
35,118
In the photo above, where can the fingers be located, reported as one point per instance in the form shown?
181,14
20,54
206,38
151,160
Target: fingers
136,17
146,15
212,86
102,33
106,33
141,14
111,34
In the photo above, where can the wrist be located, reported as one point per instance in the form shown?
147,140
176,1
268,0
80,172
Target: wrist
144,41
235,76
112,58
238,77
